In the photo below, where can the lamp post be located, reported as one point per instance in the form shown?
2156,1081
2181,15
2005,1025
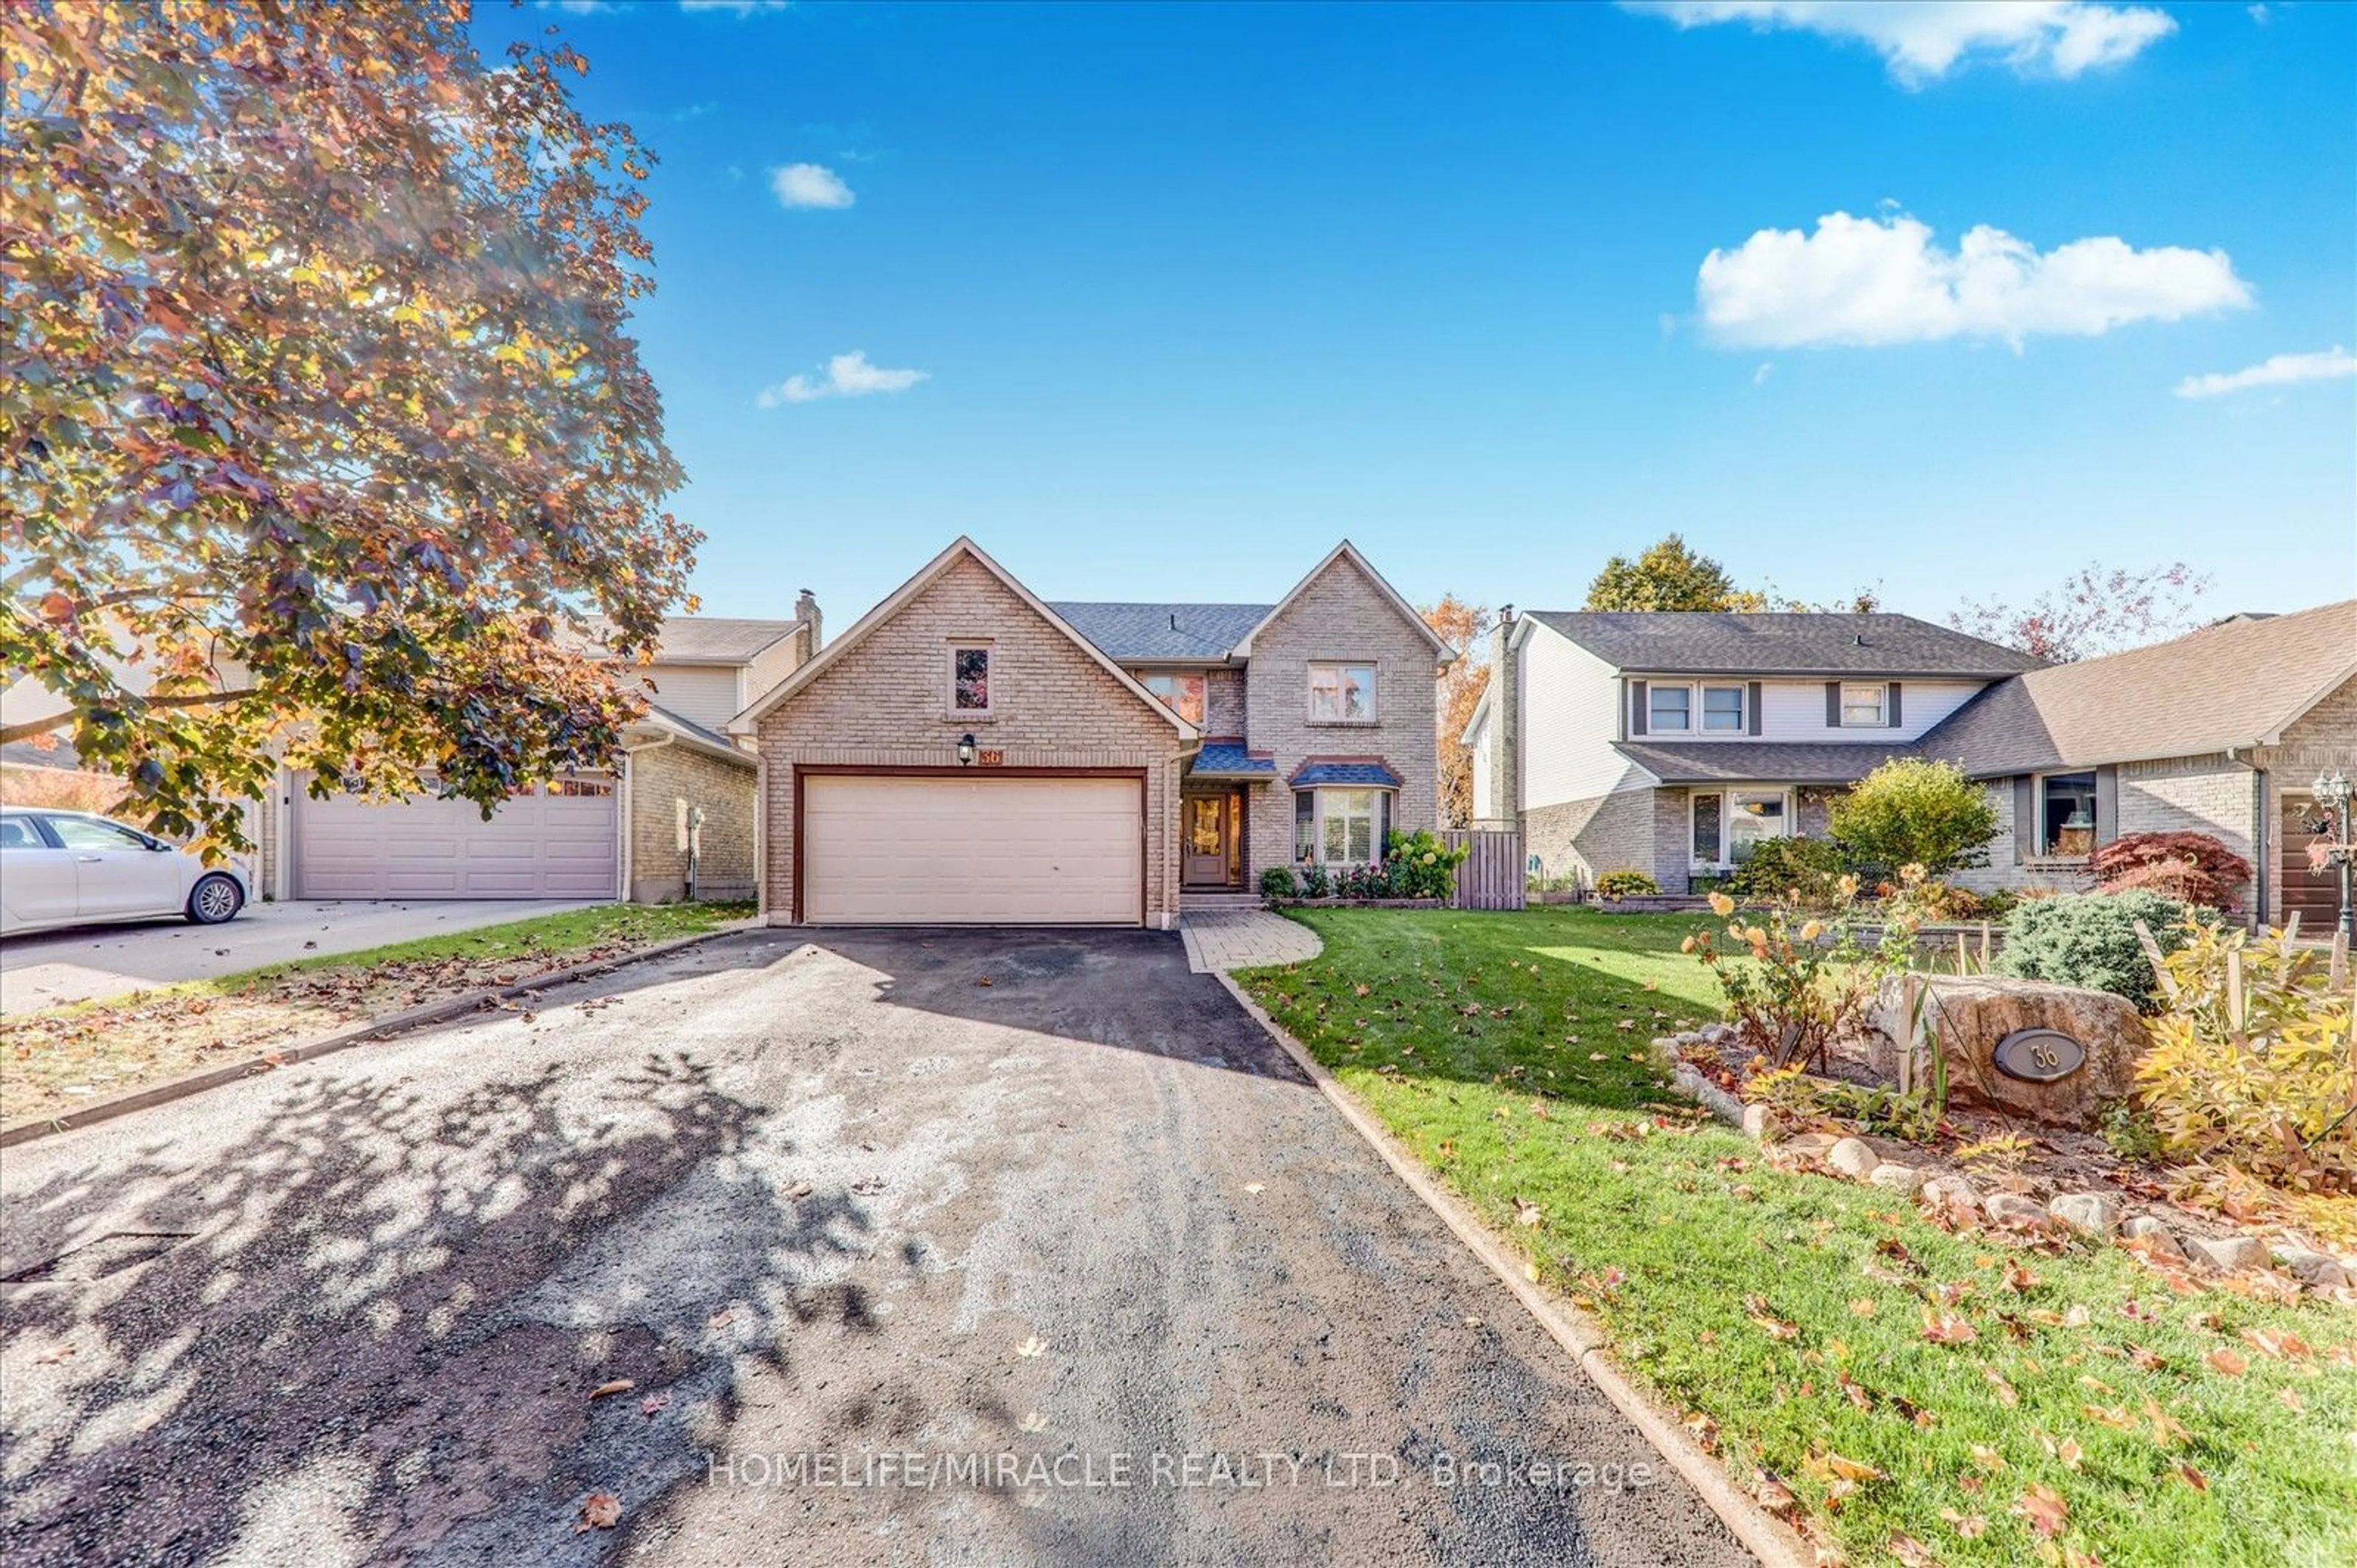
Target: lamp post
2332,792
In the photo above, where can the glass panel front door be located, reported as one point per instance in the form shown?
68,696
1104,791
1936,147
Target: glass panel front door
1210,842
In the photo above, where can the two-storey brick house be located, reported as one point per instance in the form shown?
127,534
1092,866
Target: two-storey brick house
968,752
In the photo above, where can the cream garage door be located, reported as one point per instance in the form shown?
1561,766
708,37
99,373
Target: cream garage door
972,850
543,845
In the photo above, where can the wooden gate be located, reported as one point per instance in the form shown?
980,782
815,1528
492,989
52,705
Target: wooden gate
1491,877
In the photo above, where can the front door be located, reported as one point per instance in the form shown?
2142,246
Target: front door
1210,826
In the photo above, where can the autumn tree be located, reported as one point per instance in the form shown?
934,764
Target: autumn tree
1669,576
1463,627
322,426
2095,610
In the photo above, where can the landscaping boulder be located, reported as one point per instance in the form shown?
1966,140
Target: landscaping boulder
2318,1268
1761,1124
1950,1192
1905,1180
2088,1212
2228,1254
2153,1236
1851,1157
1973,1013
2013,1208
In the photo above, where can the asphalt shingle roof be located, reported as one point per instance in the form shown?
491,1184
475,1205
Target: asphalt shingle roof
1140,632
2233,684
708,639
1222,759
1711,642
1758,761
1338,774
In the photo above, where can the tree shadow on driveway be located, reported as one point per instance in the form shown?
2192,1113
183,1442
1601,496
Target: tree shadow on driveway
390,1309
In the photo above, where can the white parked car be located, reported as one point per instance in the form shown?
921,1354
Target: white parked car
68,868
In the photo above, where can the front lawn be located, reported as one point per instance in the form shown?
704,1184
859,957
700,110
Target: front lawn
2062,1403
60,1060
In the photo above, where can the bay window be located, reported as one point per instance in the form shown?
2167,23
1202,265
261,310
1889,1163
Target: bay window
1341,827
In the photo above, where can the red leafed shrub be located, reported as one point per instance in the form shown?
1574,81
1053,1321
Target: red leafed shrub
2193,867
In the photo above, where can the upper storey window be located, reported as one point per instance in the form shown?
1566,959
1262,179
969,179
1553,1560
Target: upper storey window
1342,694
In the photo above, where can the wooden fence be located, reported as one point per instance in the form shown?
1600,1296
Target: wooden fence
1491,877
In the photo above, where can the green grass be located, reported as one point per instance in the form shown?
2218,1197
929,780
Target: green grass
542,936
1474,1037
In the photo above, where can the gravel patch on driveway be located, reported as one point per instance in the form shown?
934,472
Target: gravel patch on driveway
1014,1213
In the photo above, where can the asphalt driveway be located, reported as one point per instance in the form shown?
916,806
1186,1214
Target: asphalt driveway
949,1247
93,963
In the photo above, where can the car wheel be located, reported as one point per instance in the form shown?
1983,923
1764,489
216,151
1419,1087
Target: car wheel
215,898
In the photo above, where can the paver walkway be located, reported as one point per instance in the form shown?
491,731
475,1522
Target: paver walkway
1245,938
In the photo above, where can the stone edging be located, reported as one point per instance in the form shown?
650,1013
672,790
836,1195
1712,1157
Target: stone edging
1768,1538
319,1045
2091,1215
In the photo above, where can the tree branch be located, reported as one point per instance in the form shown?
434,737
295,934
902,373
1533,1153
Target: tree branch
56,722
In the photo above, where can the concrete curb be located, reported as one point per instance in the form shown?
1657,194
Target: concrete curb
327,1045
1775,1543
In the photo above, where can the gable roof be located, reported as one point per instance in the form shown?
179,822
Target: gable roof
679,728
1144,632
2241,682
707,639
1793,642
959,548
1347,550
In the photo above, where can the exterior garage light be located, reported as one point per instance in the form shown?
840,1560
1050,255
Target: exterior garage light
965,749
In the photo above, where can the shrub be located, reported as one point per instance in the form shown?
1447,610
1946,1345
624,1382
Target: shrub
1422,865
2090,940
1796,984
1315,882
2250,1065
1278,882
1909,811
1626,884
1363,882
1803,871
2194,868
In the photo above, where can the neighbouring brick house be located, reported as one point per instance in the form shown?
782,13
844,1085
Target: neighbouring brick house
968,752
1669,742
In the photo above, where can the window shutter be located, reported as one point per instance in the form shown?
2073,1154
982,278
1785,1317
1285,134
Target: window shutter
1636,707
2107,805
1894,705
2025,819
1832,705
1752,708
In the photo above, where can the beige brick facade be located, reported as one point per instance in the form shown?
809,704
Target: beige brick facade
665,783
1223,705
1342,614
884,703
1588,838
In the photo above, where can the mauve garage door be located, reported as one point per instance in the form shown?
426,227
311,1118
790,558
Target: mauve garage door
536,846
972,850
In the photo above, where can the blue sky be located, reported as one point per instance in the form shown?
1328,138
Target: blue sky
1196,291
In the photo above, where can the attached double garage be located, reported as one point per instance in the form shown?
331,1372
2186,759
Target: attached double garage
561,842
972,846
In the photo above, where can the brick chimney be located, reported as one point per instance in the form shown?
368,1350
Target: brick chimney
1504,734
806,612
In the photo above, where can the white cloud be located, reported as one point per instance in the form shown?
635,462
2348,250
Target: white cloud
2281,371
1921,41
847,375
1862,282
810,185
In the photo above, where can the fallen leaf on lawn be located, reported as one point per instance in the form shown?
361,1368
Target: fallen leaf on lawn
2114,1416
1947,1328
2019,1280
1033,1346
1704,1429
1971,1526
2005,1394
2077,1317
1853,1469
2044,1509
2280,1343
1988,1458
2232,1363
1774,1495
1528,1213
1911,1551
1033,1422
2289,1399
2193,1477
599,1511
2145,1360
1764,1318
2067,1452
1862,1307
618,1386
